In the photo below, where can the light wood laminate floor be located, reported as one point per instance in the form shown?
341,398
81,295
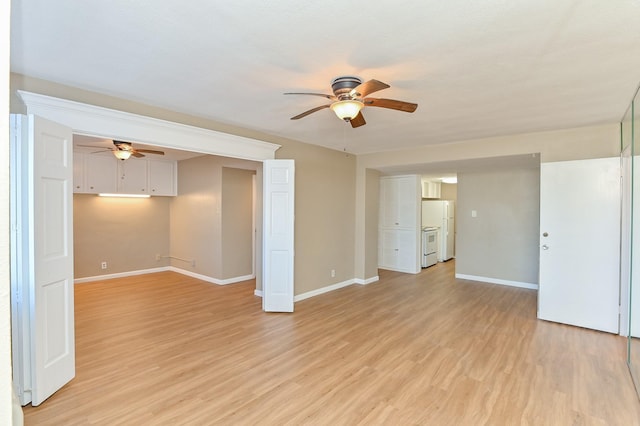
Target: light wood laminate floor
422,349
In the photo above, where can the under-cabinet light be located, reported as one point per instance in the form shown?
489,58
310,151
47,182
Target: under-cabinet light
125,195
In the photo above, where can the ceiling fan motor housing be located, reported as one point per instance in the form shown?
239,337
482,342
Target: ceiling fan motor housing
342,86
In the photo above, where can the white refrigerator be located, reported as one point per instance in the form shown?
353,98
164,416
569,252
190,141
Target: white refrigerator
441,214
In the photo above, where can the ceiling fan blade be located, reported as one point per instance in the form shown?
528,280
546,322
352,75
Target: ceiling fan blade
304,114
332,97
149,151
137,154
123,146
358,120
391,104
102,150
367,88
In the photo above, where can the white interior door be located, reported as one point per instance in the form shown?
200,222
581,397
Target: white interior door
278,254
45,230
580,243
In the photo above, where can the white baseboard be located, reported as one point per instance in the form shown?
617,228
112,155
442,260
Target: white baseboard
323,290
328,288
120,275
367,281
404,271
211,279
498,281
163,269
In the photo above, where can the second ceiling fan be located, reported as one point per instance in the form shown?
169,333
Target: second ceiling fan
124,150
350,96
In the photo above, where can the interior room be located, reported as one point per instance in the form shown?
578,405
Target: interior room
345,125
123,233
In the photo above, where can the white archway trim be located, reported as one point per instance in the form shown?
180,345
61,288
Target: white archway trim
92,120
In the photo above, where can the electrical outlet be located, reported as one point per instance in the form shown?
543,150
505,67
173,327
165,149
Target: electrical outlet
103,265
158,257
333,273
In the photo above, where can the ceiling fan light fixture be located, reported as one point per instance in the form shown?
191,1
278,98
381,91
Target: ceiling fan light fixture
122,154
347,109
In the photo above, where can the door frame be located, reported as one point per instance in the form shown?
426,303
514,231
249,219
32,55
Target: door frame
91,120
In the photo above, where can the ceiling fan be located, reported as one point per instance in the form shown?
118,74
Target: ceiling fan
124,150
350,97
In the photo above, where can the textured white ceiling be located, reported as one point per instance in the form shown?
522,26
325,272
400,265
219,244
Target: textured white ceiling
476,68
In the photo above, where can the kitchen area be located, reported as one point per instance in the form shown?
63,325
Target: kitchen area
417,221
438,220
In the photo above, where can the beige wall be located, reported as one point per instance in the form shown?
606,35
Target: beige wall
237,222
204,225
194,234
501,242
449,191
127,233
560,145
324,209
372,210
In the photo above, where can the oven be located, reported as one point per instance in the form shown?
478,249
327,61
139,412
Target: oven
429,246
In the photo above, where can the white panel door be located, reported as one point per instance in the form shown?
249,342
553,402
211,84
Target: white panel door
580,243
44,229
53,339
278,233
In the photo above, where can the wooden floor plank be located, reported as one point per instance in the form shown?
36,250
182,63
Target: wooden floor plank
410,349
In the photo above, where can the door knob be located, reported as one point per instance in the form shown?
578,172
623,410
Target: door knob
545,247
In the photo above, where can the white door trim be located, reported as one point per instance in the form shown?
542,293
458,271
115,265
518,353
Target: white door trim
93,120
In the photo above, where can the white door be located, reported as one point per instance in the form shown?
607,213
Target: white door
45,230
580,243
278,254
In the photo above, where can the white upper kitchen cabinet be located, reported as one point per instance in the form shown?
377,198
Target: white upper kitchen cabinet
162,177
95,174
100,174
78,172
132,177
400,201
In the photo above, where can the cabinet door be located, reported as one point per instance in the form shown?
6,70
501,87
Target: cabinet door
162,177
388,253
408,196
406,242
399,202
78,172
132,176
100,174
397,250
388,204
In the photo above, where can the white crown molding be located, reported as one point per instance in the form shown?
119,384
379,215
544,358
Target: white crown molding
108,123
